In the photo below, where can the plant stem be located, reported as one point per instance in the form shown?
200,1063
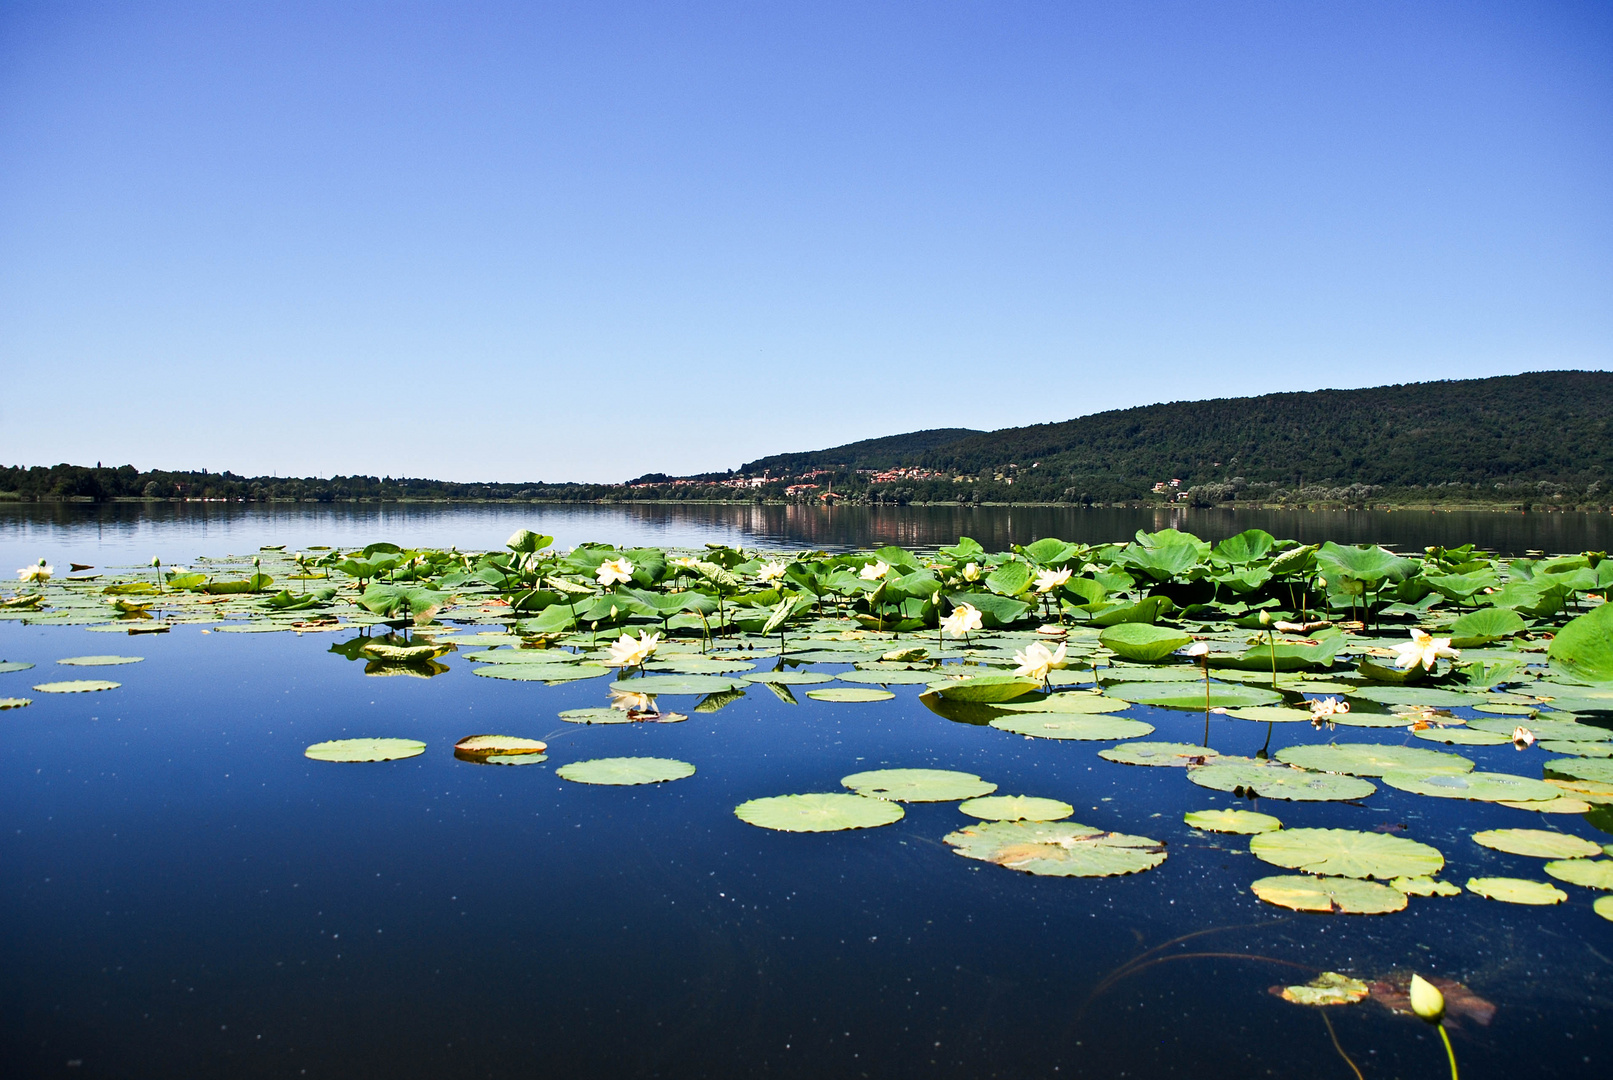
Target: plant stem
1334,1036
1448,1051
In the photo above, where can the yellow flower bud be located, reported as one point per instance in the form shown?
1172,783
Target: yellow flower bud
1426,1000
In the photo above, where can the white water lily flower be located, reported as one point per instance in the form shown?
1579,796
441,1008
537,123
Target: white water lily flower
612,571
1048,580
1197,649
1035,661
874,571
964,618
1522,738
1323,708
40,573
770,571
632,703
971,572
626,652
1424,649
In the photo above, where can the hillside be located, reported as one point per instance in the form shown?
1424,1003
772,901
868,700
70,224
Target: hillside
883,453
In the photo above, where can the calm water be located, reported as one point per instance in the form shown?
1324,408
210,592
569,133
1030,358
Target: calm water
184,894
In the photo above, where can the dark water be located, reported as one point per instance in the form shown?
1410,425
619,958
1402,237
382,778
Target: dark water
184,894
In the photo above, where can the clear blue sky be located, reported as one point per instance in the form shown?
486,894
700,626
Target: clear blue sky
585,241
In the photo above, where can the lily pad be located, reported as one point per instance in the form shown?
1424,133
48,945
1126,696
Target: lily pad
788,678
1061,726
1277,781
818,812
678,684
1540,843
365,750
988,688
1591,873
1057,849
18,665
849,694
1190,695
1413,695
1604,907
1347,853
1362,719
888,678
1461,736
1544,728
918,785
15,702
1242,822
100,661
1085,704
541,672
1422,885
699,665
1596,770
1516,890
1328,988
76,686
1338,895
1481,786
625,771
1274,714
1371,759
1159,753
500,750
1143,642
1016,808
1578,749
596,716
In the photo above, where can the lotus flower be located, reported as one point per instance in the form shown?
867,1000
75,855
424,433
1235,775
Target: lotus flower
770,571
40,573
1522,738
626,652
632,703
1424,649
874,571
1035,661
1048,580
1426,1000
1323,710
612,571
1197,649
964,618
971,572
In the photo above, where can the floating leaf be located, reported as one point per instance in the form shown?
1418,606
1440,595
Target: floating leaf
818,812
1604,907
1059,726
1540,843
1347,853
677,684
1597,771
918,785
365,750
1371,759
1591,873
1274,714
76,686
696,665
788,678
596,716
17,665
1057,849
1142,642
1583,648
1544,728
625,771
1328,988
1343,896
1482,786
1425,886
1159,753
1516,890
1461,736
1243,822
542,672
988,688
1579,749
1277,781
720,700
1190,695
1363,719
15,702
1016,808
889,678
500,750
1412,695
1082,703
99,661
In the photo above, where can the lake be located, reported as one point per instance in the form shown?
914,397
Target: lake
186,894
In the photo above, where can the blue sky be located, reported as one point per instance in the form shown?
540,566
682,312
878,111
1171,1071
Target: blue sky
585,241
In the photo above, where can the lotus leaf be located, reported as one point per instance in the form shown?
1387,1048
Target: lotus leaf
1276,781
1516,890
1158,753
918,785
694,665
1276,714
1083,704
542,672
788,678
100,661
365,750
1591,873
1057,849
500,750
625,771
677,684
1413,695
1142,641
1544,728
987,689
1604,907
1191,695
16,665
1016,808
547,657
1579,749
1343,896
1122,673
1541,843
1583,648
819,812
847,694
1597,771
1461,736
1328,988
1362,719
720,700
398,654
1371,759
1085,728
1481,786
1425,886
1485,625
15,702
596,716
76,686
888,678
1347,853
1243,822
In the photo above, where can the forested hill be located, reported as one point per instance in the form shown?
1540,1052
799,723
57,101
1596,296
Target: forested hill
882,453
1553,428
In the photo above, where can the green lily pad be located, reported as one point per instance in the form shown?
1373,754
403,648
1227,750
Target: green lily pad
987,688
76,686
1057,849
500,750
1516,890
17,665
1143,642
1413,695
819,812
699,665
1541,843
625,771
1242,822
1583,648
1362,719
365,750
541,672
918,785
1190,695
1422,885
1064,726
1328,988
1016,808
1346,853
1159,753
1461,736
1337,895
1081,703
100,661
1274,714
888,678
1544,728
849,694
1481,786
545,657
15,702
1578,749
1276,781
1598,771
1591,873
1370,759
1604,907
678,684
596,716
788,678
